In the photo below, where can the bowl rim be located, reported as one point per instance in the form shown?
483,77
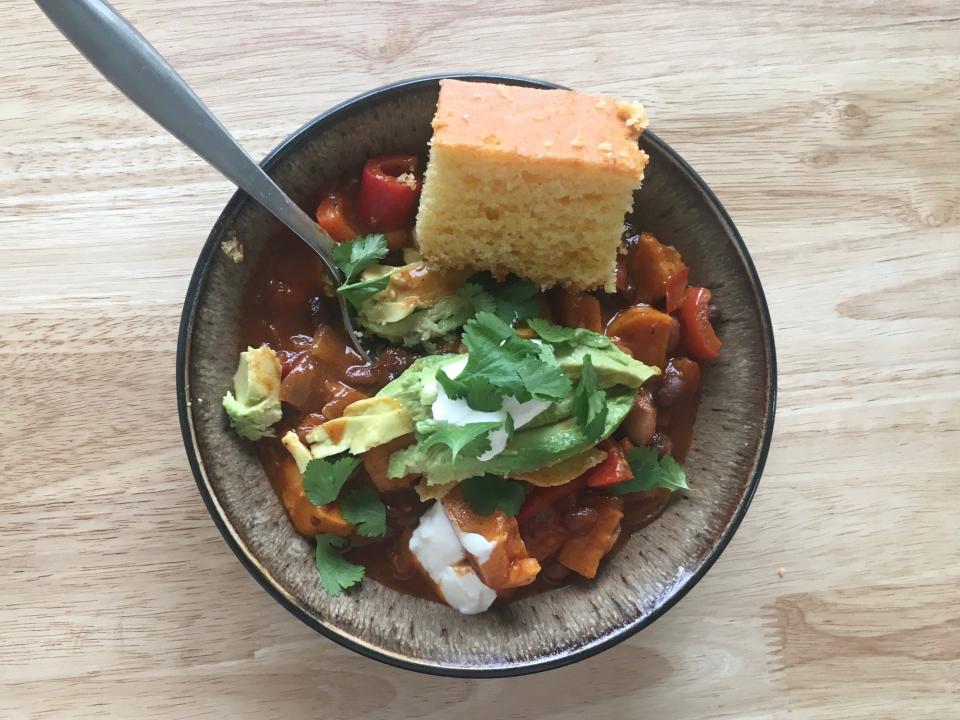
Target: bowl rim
293,604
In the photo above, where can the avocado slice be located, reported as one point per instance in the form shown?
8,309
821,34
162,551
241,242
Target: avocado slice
416,388
529,449
613,366
254,405
416,327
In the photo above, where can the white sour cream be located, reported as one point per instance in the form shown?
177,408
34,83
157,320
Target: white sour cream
458,412
441,554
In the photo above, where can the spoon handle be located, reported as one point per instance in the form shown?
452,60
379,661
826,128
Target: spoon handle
134,66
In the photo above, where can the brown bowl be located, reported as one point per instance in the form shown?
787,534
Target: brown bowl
658,564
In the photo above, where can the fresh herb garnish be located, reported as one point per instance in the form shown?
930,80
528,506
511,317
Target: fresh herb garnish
489,492
479,299
355,255
323,479
356,293
501,363
651,471
363,507
336,573
513,300
471,439
590,402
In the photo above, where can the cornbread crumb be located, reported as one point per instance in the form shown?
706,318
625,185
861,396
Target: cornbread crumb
781,572
233,249
408,179
531,204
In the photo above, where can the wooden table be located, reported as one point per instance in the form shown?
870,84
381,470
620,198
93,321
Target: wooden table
830,131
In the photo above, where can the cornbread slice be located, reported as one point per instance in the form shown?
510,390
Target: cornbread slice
533,182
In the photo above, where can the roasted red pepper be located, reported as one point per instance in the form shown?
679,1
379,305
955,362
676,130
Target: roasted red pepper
332,216
676,289
388,192
613,470
541,498
698,333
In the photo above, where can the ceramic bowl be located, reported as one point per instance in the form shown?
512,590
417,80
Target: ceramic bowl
655,568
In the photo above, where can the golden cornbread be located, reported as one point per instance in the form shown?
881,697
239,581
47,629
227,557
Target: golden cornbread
533,182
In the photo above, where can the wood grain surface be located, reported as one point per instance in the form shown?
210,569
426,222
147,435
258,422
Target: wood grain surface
831,132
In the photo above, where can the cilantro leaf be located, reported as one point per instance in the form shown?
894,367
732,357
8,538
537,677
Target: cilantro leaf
354,255
516,300
356,293
322,478
485,494
544,381
495,354
512,300
336,573
558,335
672,475
651,471
590,402
363,507
479,299
461,438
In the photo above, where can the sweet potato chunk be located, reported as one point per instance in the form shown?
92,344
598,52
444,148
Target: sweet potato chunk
509,564
377,459
653,264
582,553
577,309
307,518
645,331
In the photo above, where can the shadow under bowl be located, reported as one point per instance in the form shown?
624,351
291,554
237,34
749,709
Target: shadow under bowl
658,564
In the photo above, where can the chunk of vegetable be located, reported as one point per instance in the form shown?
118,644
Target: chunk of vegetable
542,498
377,459
645,331
653,266
577,309
388,192
614,469
582,553
509,565
698,333
307,518
332,216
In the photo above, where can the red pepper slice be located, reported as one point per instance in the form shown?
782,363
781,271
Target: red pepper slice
613,470
388,192
676,288
541,498
332,217
698,333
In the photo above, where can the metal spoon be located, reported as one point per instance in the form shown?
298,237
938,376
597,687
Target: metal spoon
125,58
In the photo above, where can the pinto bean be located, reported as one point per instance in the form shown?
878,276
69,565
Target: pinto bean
641,421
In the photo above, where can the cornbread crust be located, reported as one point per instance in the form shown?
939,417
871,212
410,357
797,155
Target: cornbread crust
533,182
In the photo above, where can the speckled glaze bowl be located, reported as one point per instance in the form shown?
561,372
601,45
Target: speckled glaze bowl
657,566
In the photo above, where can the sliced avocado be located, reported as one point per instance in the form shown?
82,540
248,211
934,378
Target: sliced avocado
613,366
416,388
254,405
411,328
364,424
529,448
